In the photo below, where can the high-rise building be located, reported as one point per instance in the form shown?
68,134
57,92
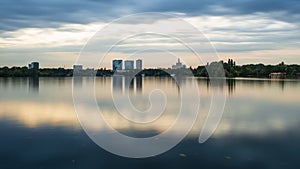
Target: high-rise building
117,65
139,64
129,64
34,65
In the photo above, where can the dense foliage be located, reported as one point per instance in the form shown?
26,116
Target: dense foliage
25,72
250,70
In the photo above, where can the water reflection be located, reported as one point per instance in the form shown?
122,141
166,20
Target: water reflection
139,84
247,82
217,84
178,81
259,127
14,95
282,84
278,82
4,82
129,83
33,84
117,82
123,84
231,86
77,81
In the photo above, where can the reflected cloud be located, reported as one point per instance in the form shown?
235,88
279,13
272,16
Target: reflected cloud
36,114
256,106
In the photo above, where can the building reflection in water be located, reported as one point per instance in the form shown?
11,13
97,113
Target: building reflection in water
179,83
77,81
33,84
117,83
139,84
281,83
131,84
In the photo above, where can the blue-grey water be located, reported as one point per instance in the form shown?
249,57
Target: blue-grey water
260,127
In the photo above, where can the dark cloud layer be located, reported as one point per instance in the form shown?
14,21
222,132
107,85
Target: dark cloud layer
15,14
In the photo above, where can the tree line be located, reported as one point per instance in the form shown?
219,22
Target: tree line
229,68
250,70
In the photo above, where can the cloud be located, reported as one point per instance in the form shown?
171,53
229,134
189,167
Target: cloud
44,28
221,7
16,14
227,33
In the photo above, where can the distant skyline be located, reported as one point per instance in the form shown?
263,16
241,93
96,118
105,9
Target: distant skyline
53,32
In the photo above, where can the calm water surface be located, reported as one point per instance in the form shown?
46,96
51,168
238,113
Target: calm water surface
39,127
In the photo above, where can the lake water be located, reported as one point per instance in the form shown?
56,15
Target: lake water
260,127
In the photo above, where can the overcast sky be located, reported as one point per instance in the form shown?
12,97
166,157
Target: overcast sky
53,32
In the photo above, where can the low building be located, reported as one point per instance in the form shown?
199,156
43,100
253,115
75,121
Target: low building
34,65
77,67
277,75
298,75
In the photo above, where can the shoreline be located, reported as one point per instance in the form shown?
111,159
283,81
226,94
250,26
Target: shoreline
213,69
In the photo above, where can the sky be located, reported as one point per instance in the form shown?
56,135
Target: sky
55,32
